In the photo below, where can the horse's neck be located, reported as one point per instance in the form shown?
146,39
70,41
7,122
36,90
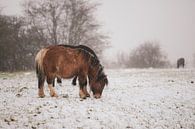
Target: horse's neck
92,74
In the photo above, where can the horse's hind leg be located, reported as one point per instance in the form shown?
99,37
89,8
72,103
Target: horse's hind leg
59,81
50,81
74,81
41,87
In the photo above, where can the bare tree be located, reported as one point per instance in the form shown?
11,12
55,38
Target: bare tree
147,55
18,44
66,22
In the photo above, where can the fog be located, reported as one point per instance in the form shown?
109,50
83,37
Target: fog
170,22
132,22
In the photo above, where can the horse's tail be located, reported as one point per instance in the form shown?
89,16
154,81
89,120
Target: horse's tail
39,66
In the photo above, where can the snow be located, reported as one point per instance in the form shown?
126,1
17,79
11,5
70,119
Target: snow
134,98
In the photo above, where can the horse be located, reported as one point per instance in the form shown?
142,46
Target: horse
180,62
86,48
68,62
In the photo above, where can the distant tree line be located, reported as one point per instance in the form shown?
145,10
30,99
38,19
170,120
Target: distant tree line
48,22
147,55
17,44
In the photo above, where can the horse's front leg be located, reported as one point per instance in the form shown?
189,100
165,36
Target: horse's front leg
85,91
50,82
82,85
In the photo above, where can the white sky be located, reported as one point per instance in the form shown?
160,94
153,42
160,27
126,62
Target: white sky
11,7
131,22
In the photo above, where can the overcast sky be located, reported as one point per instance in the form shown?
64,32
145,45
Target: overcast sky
131,22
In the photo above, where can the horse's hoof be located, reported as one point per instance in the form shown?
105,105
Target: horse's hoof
41,96
54,95
83,96
88,95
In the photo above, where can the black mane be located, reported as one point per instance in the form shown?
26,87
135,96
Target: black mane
88,49
87,52
83,47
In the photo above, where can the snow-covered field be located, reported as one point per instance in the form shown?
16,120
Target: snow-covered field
135,99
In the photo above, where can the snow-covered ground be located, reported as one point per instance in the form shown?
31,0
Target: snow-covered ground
135,99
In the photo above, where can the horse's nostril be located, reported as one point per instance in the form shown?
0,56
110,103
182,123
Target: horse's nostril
97,96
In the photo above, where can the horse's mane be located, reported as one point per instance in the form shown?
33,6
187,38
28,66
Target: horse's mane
88,49
87,52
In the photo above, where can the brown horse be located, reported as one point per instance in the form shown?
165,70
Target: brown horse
67,62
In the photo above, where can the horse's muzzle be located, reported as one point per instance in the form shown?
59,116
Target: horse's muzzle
97,96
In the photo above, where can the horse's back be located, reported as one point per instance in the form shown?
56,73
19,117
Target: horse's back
58,53
181,60
62,61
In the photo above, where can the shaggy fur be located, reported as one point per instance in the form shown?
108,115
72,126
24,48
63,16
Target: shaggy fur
68,62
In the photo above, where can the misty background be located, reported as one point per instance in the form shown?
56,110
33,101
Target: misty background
126,25
169,22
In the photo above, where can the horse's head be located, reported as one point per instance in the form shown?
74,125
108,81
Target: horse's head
98,84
